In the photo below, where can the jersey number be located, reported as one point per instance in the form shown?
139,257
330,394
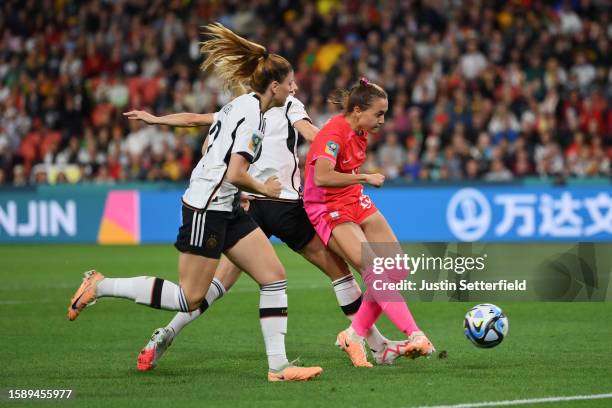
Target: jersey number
214,133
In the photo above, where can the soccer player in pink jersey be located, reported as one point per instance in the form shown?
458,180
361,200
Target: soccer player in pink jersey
346,219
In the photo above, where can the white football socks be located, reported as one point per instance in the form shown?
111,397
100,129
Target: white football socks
273,319
145,290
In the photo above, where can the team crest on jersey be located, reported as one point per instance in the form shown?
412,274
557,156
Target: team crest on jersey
227,109
331,148
255,142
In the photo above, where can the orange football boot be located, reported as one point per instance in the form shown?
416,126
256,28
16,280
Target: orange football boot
354,348
292,373
418,345
85,294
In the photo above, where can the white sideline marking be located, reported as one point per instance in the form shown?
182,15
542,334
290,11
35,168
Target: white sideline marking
523,401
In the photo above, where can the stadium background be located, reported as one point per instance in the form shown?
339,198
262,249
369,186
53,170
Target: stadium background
480,92
499,129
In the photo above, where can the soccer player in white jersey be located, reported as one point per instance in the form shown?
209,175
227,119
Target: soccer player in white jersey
283,217
213,222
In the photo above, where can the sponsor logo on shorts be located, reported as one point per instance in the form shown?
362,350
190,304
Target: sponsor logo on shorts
334,215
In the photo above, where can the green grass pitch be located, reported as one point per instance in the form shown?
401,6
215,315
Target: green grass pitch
553,349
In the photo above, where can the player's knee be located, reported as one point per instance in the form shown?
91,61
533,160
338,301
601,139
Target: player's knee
227,273
195,304
277,274
339,270
312,254
194,299
356,262
332,265
315,251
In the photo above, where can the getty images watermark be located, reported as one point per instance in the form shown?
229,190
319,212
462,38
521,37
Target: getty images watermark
458,265
388,271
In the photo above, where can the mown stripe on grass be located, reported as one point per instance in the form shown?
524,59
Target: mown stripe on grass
522,401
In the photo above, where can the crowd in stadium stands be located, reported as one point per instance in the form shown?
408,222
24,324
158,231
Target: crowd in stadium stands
478,90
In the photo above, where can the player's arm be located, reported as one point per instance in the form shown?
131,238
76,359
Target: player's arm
183,119
326,176
237,174
306,129
299,118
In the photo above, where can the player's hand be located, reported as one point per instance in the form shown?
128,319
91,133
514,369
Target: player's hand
273,187
141,115
376,179
245,201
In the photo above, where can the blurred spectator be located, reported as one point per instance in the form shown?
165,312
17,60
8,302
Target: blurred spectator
412,168
19,178
473,61
452,164
432,163
498,172
548,156
504,125
391,156
472,170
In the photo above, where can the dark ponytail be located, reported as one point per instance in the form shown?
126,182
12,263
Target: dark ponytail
361,95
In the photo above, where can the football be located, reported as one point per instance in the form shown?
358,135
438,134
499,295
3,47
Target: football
485,325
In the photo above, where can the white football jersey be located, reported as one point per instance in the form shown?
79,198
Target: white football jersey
278,154
237,128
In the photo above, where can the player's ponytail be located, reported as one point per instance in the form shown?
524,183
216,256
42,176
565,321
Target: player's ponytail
361,95
241,63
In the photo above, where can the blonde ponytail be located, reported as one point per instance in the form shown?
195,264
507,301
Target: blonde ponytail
241,63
